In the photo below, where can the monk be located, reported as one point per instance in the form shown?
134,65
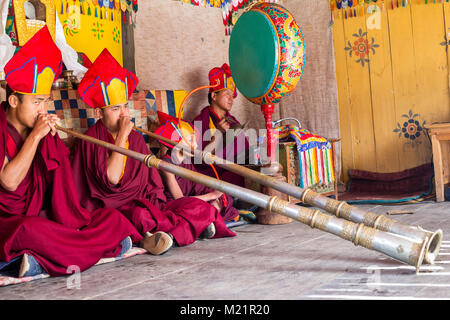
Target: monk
215,120
177,187
41,220
109,179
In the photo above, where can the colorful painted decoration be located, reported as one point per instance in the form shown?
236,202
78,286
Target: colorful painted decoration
70,27
361,47
89,28
411,129
446,41
10,27
27,28
343,5
278,58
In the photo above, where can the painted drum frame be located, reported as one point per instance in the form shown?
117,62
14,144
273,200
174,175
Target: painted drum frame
291,53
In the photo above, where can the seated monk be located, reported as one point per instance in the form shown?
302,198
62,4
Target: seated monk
42,224
177,187
213,123
110,179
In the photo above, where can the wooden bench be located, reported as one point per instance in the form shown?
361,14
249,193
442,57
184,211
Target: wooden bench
440,140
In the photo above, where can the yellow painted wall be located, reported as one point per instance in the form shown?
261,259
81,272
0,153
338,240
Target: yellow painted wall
392,71
90,29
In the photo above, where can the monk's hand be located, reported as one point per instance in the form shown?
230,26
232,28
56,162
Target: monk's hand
42,125
223,125
53,120
216,204
216,194
125,126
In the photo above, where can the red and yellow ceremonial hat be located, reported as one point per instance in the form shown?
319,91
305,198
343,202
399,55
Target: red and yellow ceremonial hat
34,68
173,130
223,75
106,83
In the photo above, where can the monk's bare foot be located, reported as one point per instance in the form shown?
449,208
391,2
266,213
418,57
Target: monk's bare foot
157,243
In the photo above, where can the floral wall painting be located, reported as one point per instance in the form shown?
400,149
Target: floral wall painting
411,129
90,26
446,41
361,47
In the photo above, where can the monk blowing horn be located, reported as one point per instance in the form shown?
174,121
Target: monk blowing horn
396,246
339,208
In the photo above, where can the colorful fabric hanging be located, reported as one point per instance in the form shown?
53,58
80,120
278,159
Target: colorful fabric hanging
358,8
315,156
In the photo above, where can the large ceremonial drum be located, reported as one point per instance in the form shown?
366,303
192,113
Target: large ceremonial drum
266,53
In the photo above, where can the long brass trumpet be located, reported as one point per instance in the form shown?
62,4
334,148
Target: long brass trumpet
398,247
339,208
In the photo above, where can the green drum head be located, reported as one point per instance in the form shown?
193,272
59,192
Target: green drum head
253,54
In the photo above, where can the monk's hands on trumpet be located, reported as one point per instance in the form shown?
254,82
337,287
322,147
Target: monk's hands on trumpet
223,125
45,123
125,126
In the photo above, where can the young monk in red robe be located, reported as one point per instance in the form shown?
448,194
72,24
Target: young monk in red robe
177,187
41,220
217,119
109,179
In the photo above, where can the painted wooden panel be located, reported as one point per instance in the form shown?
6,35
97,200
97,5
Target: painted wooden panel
359,85
396,81
432,95
383,99
446,40
342,87
404,82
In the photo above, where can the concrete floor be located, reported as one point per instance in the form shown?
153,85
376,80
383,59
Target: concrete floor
276,262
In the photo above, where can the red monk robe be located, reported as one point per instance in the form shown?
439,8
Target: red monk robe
40,215
43,216
139,192
190,188
181,186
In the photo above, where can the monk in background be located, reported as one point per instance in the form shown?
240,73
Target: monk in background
215,120
109,179
43,227
178,187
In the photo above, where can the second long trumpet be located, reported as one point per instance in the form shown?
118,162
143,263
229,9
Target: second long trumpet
339,208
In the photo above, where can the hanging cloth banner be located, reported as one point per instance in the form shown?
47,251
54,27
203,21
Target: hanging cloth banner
91,26
358,8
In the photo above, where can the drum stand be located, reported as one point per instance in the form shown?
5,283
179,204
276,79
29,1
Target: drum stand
273,169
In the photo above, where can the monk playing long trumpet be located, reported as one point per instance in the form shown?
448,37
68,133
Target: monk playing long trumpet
110,179
43,228
215,120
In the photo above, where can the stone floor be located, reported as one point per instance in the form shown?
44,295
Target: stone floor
276,262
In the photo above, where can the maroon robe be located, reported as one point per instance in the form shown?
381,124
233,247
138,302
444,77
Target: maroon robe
44,218
231,150
140,194
190,188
